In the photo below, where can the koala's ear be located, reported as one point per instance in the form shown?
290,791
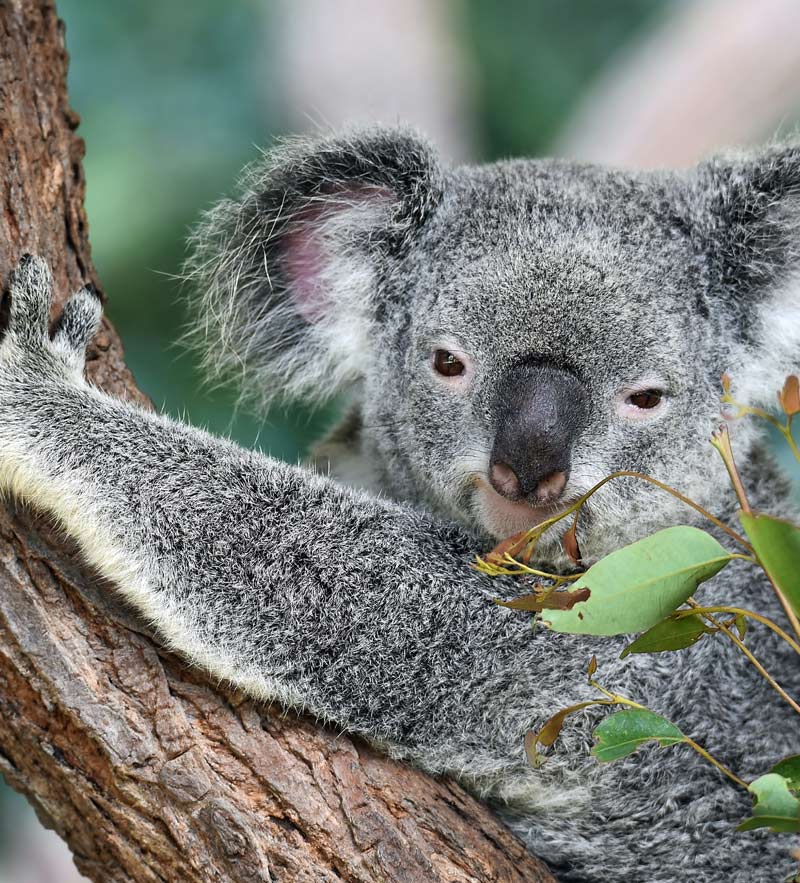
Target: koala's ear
750,217
287,277
748,222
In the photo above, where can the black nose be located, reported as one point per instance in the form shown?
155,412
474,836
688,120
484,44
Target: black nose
540,412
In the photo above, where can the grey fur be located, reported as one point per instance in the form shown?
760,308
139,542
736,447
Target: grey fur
360,608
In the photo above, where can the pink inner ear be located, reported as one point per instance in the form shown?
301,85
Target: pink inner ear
302,258
302,264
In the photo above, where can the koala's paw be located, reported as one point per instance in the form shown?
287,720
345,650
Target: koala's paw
31,290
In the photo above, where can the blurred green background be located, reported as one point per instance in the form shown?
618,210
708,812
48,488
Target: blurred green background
175,97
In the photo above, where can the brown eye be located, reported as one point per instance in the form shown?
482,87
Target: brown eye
646,400
447,364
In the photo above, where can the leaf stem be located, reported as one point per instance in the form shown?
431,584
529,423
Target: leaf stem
749,614
787,434
537,531
787,607
615,697
721,440
494,569
747,410
711,759
784,428
746,650
751,558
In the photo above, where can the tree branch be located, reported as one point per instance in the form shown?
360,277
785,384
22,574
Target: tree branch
149,771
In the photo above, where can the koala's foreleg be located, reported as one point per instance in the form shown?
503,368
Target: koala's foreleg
360,610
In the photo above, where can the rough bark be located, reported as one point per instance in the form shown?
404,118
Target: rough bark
147,770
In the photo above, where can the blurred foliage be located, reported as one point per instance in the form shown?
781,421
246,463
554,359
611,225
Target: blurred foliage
535,60
174,99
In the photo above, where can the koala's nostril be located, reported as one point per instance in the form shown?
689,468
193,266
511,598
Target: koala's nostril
551,487
504,481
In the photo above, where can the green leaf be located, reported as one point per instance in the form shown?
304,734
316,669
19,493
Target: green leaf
674,633
789,768
777,545
620,734
775,806
637,586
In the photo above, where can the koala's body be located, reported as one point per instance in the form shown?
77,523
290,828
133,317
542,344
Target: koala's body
510,334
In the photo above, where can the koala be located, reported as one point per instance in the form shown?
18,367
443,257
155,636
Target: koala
506,336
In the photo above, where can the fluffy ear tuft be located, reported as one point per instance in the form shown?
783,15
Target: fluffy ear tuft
286,276
751,203
746,209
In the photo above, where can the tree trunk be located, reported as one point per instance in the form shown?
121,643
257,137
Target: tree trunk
147,770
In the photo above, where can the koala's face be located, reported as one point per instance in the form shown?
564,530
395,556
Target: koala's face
555,331
519,331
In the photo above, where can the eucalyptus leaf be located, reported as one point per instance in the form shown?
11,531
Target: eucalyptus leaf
638,586
775,806
789,768
674,633
777,545
620,734
545,600
552,726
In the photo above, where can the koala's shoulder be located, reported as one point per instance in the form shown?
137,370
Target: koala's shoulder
341,455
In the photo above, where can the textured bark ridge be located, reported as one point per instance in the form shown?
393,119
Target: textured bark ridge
147,770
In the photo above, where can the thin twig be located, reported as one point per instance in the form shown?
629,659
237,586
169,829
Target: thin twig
787,607
718,764
721,440
626,473
746,650
750,614
787,434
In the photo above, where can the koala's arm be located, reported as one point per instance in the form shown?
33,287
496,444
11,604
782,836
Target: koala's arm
359,610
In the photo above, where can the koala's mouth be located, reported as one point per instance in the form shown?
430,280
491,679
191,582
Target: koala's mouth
502,517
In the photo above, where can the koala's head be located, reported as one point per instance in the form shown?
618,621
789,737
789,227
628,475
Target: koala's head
517,331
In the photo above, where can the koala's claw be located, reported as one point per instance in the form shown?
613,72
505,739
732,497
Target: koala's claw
78,322
31,289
